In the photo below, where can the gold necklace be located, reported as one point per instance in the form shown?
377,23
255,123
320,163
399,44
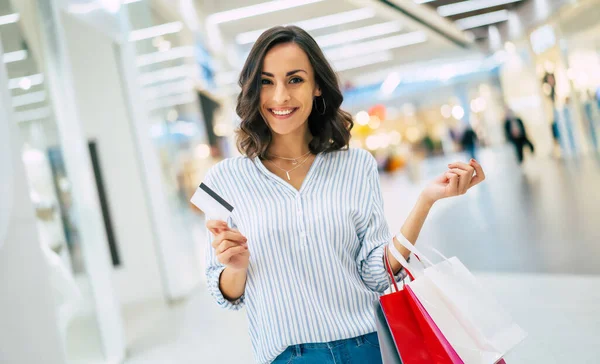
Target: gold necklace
287,172
293,160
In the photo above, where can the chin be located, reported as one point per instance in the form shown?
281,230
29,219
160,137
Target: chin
285,129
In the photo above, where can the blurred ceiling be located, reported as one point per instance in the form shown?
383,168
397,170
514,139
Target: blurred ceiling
474,16
360,37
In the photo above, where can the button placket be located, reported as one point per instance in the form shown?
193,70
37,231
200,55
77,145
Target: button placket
300,220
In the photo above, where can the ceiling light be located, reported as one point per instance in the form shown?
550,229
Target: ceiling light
157,57
112,6
373,46
169,89
25,84
362,118
30,115
164,46
458,112
470,5
167,74
109,5
361,33
315,23
186,98
258,9
9,19
29,98
391,83
483,19
32,80
15,56
202,151
356,62
155,31
84,8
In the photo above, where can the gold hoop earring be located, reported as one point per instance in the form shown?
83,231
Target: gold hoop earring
324,106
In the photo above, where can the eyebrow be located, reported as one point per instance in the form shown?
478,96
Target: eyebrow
287,74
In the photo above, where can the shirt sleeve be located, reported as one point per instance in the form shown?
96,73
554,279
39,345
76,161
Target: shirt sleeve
213,275
214,269
373,239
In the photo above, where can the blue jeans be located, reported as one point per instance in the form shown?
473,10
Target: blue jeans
360,350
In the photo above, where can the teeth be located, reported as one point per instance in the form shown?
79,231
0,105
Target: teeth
282,112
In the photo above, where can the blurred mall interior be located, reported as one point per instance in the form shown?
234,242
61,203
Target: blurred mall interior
112,111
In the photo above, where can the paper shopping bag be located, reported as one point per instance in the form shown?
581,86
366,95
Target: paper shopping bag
467,314
427,323
413,337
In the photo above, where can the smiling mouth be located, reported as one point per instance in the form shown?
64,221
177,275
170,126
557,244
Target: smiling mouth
283,113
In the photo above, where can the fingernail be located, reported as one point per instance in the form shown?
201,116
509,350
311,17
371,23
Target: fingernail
473,160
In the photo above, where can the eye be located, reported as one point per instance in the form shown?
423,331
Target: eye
296,80
265,81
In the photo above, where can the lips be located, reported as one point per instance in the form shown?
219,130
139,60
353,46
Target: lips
282,113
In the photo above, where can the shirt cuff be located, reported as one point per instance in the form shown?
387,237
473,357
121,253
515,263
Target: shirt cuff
215,290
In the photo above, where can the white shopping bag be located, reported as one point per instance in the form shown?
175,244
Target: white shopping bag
457,335
475,307
461,306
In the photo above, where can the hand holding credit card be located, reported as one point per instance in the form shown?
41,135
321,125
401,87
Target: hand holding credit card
231,247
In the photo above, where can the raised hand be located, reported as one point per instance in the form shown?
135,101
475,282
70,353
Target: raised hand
456,181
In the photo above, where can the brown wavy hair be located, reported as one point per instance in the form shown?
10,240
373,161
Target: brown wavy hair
330,131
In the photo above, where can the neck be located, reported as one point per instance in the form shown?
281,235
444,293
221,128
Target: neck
290,146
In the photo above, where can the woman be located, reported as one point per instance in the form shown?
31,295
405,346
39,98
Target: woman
305,243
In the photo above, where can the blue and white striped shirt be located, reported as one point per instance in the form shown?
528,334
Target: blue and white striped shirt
316,255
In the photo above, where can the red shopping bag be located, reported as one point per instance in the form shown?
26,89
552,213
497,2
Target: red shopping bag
427,324
415,340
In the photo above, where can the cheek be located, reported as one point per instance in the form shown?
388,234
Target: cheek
263,98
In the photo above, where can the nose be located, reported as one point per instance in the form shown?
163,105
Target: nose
281,95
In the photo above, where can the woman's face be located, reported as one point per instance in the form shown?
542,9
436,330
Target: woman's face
287,89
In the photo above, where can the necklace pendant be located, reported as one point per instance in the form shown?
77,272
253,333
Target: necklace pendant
288,176
294,162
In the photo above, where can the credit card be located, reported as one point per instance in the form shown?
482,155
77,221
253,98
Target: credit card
214,206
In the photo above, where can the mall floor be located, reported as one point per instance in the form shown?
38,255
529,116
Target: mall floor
531,234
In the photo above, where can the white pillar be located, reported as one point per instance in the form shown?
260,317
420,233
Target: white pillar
57,70
28,322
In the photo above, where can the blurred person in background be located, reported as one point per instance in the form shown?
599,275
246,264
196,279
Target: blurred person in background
304,246
469,142
515,133
569,127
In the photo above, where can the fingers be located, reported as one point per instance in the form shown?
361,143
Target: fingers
479,174
452,182
231,235
230,253
226,245
463,166
216,226
464,179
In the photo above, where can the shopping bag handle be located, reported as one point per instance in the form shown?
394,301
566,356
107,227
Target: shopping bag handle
400,258
388,269
413,249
